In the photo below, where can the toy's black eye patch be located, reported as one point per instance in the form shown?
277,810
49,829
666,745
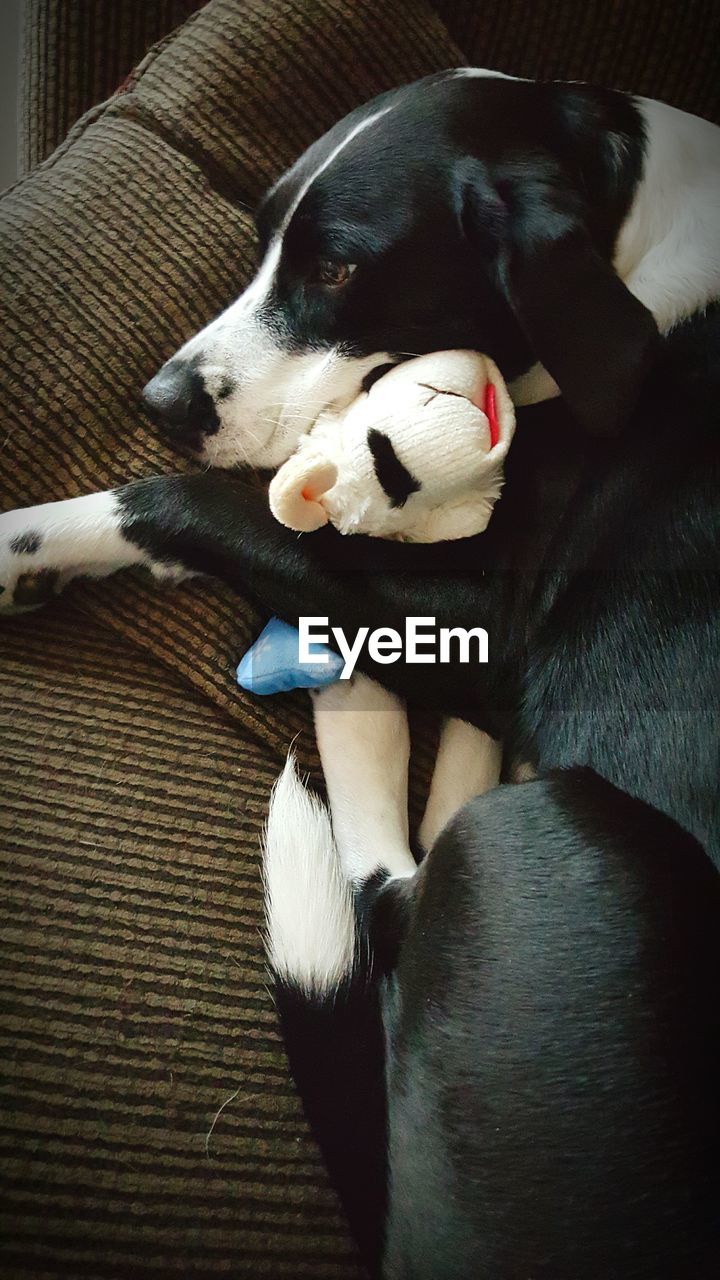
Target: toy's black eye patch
393,477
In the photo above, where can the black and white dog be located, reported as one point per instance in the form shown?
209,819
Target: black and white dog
540,996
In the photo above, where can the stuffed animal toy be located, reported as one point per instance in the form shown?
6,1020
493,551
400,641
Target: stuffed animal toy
418,457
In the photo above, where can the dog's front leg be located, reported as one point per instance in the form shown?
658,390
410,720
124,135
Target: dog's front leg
211,523
43,548
216,524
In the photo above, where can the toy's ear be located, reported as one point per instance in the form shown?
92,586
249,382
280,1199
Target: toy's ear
592,335
295,489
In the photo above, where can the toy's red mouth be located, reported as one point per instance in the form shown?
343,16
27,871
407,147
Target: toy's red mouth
490,411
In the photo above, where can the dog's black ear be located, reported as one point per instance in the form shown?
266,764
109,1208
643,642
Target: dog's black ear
591,334
587,329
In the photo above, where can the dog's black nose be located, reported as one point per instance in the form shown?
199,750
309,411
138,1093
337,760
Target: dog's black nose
176,397
169,395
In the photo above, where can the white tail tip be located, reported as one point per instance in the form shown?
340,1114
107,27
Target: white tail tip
308,903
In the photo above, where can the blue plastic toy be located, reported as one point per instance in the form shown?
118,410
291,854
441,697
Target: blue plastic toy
272,665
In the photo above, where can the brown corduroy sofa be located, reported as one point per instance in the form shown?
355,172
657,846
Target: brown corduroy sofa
148,1123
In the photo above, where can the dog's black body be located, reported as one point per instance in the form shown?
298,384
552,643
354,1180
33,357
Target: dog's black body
552,1040
549,998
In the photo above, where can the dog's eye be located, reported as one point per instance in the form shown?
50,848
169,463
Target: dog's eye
334,274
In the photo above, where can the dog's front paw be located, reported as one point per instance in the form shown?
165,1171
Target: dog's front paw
30,591
25,582
26,579
43,548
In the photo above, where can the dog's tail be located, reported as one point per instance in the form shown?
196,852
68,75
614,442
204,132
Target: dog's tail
326,970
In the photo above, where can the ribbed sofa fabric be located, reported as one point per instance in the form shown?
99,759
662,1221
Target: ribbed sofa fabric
77,53
667,49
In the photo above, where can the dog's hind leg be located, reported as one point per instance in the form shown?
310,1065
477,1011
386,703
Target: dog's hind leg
468,764
364,743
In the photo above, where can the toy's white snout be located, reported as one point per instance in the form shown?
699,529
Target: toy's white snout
296,489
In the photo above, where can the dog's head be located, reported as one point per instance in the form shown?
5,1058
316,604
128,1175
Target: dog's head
467,210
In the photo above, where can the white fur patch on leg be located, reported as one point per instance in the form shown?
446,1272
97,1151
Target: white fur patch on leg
43,548
468,764
308,903
364,743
